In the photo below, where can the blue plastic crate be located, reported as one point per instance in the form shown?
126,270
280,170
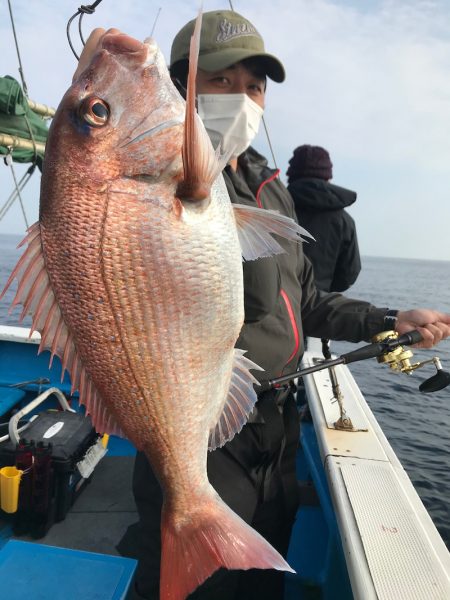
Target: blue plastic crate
39,572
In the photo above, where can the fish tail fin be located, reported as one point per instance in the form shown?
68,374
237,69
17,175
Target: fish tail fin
201,163
212,536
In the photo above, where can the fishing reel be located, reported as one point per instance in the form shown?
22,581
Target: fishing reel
387,347
398,359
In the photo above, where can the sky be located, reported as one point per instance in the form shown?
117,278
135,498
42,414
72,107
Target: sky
366,79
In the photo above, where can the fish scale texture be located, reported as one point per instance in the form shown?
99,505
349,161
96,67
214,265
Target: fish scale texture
155,314
177,303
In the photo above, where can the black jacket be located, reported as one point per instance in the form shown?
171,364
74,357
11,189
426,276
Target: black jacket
282,302
320,209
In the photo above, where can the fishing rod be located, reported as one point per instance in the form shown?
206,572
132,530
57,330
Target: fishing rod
387,347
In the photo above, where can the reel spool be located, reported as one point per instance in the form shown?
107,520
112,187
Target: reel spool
398,359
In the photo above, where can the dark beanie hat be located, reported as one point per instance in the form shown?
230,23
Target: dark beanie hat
310,161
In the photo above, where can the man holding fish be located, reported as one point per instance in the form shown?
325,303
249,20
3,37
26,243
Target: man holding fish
255,472
134,279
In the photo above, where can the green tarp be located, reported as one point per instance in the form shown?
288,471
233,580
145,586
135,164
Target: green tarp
14,113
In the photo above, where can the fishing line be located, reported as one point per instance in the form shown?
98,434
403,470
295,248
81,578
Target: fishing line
266,131
269,142
83,10
154,22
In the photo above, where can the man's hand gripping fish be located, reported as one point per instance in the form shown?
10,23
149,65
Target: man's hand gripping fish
133,276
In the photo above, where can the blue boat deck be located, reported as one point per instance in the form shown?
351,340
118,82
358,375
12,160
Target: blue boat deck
105,508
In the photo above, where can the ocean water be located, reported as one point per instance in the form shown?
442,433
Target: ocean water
417,425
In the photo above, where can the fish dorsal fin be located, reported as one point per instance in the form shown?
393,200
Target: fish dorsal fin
239,403
255,227
201,163
35,293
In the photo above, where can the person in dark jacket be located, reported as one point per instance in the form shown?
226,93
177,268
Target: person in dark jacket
254,473
320,208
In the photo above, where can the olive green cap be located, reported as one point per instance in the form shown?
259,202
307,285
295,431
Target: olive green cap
226,38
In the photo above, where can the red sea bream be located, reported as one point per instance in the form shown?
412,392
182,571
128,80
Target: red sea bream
133,276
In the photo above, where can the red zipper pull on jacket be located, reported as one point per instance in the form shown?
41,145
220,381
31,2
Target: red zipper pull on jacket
258,193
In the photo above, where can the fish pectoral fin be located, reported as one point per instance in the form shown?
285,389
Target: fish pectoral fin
239,403
201,163
256,226
35,293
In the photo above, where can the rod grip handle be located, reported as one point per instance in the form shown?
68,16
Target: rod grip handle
410,338
370,351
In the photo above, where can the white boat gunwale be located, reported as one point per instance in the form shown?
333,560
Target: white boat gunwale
363,450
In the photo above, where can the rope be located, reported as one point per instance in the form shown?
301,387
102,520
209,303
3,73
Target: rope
22,75
12,197
18,191
24,85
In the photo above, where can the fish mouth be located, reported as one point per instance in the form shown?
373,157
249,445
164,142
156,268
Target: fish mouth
154,130
121,43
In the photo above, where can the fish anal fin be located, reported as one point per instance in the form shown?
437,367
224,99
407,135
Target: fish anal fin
212,536
256,226
102,419
239,403
201,163
35,293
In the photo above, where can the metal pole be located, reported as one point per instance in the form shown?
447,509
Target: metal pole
20,143
41,109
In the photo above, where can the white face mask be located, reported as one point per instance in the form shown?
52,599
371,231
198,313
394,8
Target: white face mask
231,120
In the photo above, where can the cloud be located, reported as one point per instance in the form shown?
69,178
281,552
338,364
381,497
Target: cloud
374,82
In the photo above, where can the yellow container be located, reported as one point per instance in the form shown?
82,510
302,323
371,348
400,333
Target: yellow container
9,488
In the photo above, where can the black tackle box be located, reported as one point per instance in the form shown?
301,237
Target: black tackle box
51,481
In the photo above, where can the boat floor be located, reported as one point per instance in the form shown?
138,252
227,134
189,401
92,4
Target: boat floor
100,515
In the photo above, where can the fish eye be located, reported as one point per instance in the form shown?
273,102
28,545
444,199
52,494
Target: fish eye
94,111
